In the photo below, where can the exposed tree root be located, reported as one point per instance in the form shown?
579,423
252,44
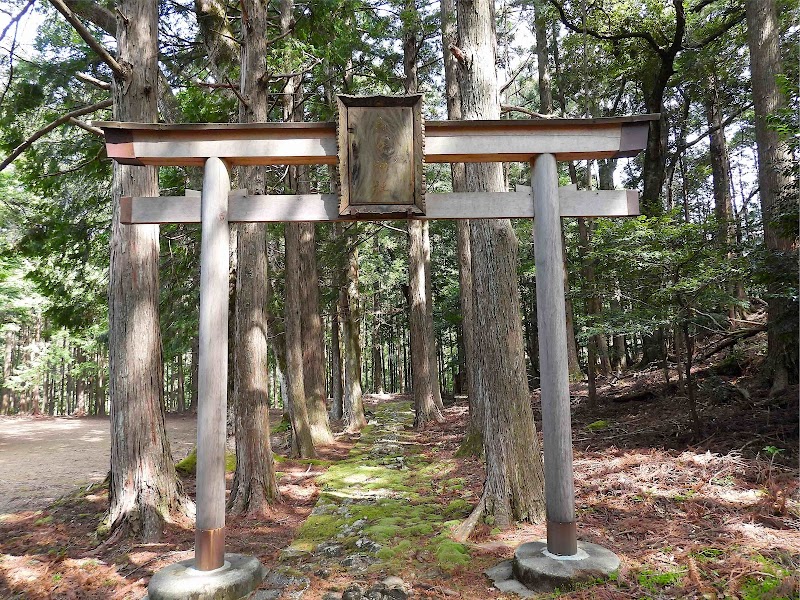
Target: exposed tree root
462,532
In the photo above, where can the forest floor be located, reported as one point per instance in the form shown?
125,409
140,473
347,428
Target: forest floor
709,516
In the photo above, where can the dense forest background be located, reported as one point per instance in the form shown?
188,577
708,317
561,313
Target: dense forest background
641,290
691,307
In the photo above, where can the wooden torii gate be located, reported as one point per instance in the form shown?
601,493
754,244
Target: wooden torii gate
217,147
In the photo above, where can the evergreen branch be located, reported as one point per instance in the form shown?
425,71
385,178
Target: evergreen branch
103,85
87,36
686,145
52,125
516,73
286,33
625,35
723,29
15,23
95,14
701,5
77,167
16,18
294,74
86,127
680,29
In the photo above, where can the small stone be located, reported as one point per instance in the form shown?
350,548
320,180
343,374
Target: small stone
331,596
396,588
353,592
267,595
330,549
323,573
394,582
368,545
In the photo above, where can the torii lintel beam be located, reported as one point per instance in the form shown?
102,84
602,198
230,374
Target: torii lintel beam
325,207
315,143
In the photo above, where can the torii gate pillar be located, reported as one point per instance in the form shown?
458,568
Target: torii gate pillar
553,362
212,367
562,561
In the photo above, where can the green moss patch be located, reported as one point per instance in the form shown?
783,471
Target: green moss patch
188,466
657,580
388,500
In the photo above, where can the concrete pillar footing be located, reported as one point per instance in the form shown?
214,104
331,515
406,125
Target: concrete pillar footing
239,576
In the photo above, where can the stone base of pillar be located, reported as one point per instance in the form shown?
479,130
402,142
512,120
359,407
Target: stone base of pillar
534,570
236,579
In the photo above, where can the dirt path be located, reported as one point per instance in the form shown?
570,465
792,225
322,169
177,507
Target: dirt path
43,458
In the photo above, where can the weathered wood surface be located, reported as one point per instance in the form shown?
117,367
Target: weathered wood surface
315,143
213,356
381,155
553,365
380,146
325,207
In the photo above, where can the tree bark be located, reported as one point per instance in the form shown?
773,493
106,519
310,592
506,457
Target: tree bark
513,489
144,488
542,58
254,486
353,406
313,340
337,409
424,368
773,164
473,438
302,438
302,442
720,164
423,380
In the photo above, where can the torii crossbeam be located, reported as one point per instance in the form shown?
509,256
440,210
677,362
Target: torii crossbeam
217,147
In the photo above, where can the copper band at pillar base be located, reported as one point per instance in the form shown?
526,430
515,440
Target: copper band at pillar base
209,549
562,538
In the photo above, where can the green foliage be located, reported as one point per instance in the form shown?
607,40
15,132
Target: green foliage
768,583
657,580
188,465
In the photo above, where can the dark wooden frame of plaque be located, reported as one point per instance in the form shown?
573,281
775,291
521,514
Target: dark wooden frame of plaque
407,202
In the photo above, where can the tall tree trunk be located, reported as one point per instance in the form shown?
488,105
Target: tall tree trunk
194,373
254,485
424,368
302,442
217,37
773,164
337,407
81,406
144,487
313,339
720,177
720,164
181,384
473,438
542,57
377,344
5,401
514,486
302,438
434,368
36,394
423,380
353,405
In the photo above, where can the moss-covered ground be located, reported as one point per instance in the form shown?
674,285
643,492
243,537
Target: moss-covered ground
386,505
